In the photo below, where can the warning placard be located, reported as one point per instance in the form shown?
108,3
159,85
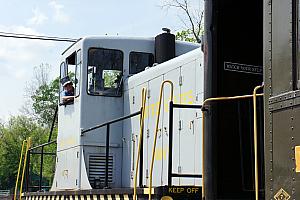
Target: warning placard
297,158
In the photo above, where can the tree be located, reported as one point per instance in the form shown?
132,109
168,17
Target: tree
185,35
42,95
192,19
45,100
13,133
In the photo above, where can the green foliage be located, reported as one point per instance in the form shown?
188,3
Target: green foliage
111,77
13,133
186,35
45,100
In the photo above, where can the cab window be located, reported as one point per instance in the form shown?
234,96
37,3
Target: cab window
138,61
70,73
105,67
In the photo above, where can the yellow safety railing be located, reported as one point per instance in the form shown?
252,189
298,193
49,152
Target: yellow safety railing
255,139
203,127
28,144
144,92
156,130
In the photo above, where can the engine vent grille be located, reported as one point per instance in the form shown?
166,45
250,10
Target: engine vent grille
97,168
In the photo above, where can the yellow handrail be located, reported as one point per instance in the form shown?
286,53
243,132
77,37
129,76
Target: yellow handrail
255,139
156,130
28,144
144,90
203,128
24,167
19,169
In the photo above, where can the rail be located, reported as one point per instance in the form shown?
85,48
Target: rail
170,166
140,146
24,161
156,130
255,139
41,153
107,124
209,100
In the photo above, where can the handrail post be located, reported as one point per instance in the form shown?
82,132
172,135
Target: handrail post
25,162
41,169
255,141
19,169
141,147
170,168
156,130
28,171
107,156
139,159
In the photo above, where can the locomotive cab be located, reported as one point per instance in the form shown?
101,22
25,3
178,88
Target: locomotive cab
98,68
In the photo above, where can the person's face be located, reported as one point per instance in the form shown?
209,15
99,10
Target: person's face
68,87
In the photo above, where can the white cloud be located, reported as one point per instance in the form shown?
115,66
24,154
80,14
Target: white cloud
38,17
18,57
21,50
59,15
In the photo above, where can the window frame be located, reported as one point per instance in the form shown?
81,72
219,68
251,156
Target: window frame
76,68
66,71
86,69
140,53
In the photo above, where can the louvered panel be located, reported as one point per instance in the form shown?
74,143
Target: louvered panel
97,167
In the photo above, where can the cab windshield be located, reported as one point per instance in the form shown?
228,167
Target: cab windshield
105,68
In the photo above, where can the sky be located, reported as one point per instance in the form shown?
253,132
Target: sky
72,19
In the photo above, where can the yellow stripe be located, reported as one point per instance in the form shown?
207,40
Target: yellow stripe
297,158
101,197
76,197
53,197
88,197
146,190
81,197
126,197
117,197
94,197
109,197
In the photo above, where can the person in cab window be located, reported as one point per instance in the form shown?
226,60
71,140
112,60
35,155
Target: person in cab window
68,93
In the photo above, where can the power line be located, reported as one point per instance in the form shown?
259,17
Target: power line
36,37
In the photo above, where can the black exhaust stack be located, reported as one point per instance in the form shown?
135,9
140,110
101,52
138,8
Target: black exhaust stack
164,46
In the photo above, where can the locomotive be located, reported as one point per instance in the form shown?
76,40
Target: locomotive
159,119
